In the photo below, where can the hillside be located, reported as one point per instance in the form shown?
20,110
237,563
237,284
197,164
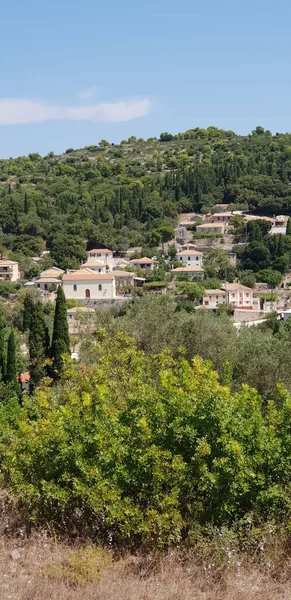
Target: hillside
120,195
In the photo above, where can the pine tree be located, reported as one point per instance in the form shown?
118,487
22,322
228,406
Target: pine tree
2,350
36,345
11,372
61,338
288,228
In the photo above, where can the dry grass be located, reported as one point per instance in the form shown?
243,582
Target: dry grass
42,569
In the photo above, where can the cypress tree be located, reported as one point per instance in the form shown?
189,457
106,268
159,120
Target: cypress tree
26,207
288,228
280,250
2,350
60,338
36,345
11,372
27,311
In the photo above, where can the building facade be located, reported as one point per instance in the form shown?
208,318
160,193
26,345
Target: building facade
85,284
190,258
9,271
102,255
142,263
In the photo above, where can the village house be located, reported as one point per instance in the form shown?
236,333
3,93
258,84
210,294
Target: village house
52,272
102,255
214,297
86,284
47,283
215,228
95,265
190,258
142,263
236,294
222,217
9,271
192,271
80,319
124,281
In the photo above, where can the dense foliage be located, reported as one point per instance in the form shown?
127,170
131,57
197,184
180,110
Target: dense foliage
131,194
146,449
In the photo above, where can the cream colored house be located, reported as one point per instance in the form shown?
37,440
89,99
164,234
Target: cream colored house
190,258
9,270
123,281
236,294
222,217
143,263
45,283
216,228
194,271
80,319
102,255
86,284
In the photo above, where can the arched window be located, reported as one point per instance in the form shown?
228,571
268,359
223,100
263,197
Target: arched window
100,287
87,293
75,287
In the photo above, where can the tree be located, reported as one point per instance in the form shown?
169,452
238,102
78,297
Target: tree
11,372
36,345
60,338
288,227
2,350
167,234
272,277
28,305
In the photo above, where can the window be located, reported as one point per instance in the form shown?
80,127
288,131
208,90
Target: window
45,286
247,295
75,287
197,257
233,295
181,258
100,287
189,257
87,293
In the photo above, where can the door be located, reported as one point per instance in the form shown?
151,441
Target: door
87,293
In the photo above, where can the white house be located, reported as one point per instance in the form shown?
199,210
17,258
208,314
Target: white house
9,270
86,284
96,265
102,255
190,258
143,263
46,283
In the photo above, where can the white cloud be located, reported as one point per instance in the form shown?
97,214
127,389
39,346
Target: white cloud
15,111
89,93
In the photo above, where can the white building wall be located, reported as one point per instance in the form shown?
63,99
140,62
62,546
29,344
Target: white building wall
193,260
105,292
15,272
107,259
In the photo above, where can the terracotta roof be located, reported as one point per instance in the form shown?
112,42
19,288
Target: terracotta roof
187,270
222,214
142,261
77,309
24,377
92,263
47,280
51,272
189,253
217,292
123,274
99,251
87,275
217,224
7,263
229,287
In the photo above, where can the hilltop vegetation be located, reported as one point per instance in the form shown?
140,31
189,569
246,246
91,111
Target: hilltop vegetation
121,195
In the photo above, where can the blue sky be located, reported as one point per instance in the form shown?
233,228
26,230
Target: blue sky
74,72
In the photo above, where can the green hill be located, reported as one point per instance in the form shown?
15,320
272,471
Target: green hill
120,195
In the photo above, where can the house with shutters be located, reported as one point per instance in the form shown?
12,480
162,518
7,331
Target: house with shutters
86,284
190,258
102,255
240,296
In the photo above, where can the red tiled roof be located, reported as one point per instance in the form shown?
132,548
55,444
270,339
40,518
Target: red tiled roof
24,377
